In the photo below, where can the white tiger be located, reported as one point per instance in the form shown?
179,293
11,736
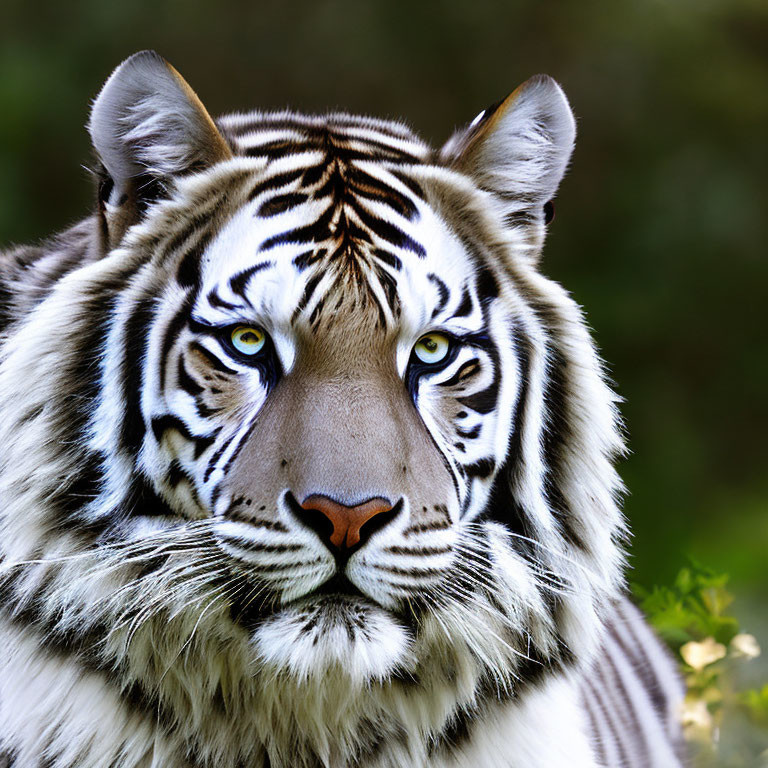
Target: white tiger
306,464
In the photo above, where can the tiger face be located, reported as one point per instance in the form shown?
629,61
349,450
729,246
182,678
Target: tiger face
339,420
332,429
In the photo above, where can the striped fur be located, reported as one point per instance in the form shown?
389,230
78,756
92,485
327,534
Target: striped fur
164,603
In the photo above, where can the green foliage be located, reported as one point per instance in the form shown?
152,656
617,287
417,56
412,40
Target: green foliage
727,726
692,609
756,703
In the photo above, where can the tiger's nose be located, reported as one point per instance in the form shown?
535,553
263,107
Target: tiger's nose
343,528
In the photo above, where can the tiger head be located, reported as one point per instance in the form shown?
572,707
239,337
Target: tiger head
322,421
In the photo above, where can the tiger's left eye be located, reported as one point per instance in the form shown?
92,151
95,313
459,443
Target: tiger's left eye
248,340
432,348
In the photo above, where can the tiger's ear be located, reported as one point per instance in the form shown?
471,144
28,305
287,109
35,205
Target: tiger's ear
519,150
147,126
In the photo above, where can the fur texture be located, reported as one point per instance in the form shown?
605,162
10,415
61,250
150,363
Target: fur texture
169,599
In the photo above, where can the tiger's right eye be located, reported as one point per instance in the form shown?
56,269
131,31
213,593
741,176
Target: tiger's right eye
248,340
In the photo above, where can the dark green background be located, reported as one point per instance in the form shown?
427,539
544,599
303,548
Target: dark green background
661,224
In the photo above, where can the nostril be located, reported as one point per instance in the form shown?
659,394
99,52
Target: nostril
314,519
378,521
341,527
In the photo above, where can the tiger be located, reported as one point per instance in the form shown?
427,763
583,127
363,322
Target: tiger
305,461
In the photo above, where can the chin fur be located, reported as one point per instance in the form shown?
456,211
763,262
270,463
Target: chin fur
334,636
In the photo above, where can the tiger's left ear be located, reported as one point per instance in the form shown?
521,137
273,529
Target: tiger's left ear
519,150
147,126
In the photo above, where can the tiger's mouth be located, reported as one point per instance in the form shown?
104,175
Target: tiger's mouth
330,596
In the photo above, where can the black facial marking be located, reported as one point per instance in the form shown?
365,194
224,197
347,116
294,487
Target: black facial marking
306,259
467,369
465,305
485,401
238,282
216,301
481,468
186,382
391,233
212,360
161,424
281,203
443,292
274,182
388,258
188,274
136,330
469,434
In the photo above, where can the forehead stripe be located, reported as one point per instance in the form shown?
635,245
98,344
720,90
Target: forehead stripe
278,180
281,203
442,289
238,282
388,258
317,232
391,233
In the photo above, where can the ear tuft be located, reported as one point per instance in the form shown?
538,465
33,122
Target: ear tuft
148,121
519,150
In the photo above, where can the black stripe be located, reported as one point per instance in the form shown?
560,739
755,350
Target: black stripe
308,258
412,184
217,454
388,258
188,274
211,359
465,305
281,203
484,401
280,148
368,186
444,293
482,468
136,332
255,546
186,382
306,295
161,424
311,233
274,182
238,282
172,332
389,232
502,505
216,301
635,727
557,434
467,369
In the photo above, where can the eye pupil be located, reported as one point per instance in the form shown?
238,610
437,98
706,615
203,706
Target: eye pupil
430,344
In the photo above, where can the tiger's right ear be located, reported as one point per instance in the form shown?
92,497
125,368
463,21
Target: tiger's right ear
147,126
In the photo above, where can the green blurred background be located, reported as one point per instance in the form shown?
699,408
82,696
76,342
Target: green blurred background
661,224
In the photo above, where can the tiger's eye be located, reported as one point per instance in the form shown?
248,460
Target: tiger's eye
248,340
432,348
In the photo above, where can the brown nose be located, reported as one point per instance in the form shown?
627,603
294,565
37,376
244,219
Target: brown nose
349,526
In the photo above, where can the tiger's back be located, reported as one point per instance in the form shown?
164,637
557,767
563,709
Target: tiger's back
306,463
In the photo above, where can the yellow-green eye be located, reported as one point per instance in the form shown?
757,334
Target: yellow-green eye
248,340
432,348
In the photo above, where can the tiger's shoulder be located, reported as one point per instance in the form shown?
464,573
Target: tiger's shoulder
619,710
